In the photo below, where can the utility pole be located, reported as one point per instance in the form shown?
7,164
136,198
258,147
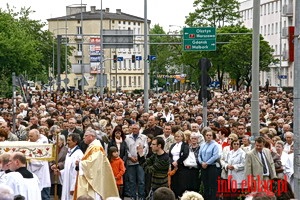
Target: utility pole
58,62
82,57
146,64
14,100
255,69
101,54
297,101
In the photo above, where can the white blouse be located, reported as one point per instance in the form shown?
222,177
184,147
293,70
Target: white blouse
176,151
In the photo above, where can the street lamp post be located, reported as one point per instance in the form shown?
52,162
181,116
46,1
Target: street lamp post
53,56
101,53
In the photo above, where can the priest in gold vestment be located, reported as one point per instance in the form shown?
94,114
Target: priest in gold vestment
95,177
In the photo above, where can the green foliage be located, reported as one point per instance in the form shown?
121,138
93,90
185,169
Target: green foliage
238,56
25,47
215,13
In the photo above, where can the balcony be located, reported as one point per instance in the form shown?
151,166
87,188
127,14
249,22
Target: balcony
287,10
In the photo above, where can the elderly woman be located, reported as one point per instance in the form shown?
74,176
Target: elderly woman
283,158
246,146
234,165
193,172
178,152
62,152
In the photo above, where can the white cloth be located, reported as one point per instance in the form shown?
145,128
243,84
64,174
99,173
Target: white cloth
14,180
33,188
69,174
27,187
41,168
289,169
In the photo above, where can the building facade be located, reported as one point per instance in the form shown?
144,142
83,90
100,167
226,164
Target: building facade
82,28
277,18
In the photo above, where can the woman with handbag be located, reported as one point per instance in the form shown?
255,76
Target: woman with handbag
179,151
192,163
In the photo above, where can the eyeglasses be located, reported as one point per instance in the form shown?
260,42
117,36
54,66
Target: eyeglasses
229,138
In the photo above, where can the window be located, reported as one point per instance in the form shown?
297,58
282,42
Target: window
124,81
113,21
79,30
129,23
124,64
276,27
134,81
139,80
114,81
124,22
79,61
129,81
268,29
119,22
120,81
272,30
79,47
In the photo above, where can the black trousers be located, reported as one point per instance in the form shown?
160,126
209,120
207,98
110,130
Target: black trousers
209,178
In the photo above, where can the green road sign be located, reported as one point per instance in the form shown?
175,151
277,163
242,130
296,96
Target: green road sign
199,39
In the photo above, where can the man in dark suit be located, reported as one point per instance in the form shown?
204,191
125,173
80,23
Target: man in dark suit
273,100
153,128
72,128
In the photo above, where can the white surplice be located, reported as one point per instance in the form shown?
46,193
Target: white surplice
68,174
27,187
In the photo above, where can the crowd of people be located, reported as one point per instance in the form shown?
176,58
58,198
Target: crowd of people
111,147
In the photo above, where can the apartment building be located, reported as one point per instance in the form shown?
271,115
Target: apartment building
277,19
82,28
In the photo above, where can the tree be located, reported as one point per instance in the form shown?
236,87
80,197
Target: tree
215,13
238,56
25,46
225,34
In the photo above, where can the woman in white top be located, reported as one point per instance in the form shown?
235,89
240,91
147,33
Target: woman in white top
283,157
178,152
235,166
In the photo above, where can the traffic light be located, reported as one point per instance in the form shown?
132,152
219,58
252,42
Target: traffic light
133,58
205,80
115,58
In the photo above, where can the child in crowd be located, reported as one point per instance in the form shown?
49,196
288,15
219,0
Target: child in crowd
118,167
